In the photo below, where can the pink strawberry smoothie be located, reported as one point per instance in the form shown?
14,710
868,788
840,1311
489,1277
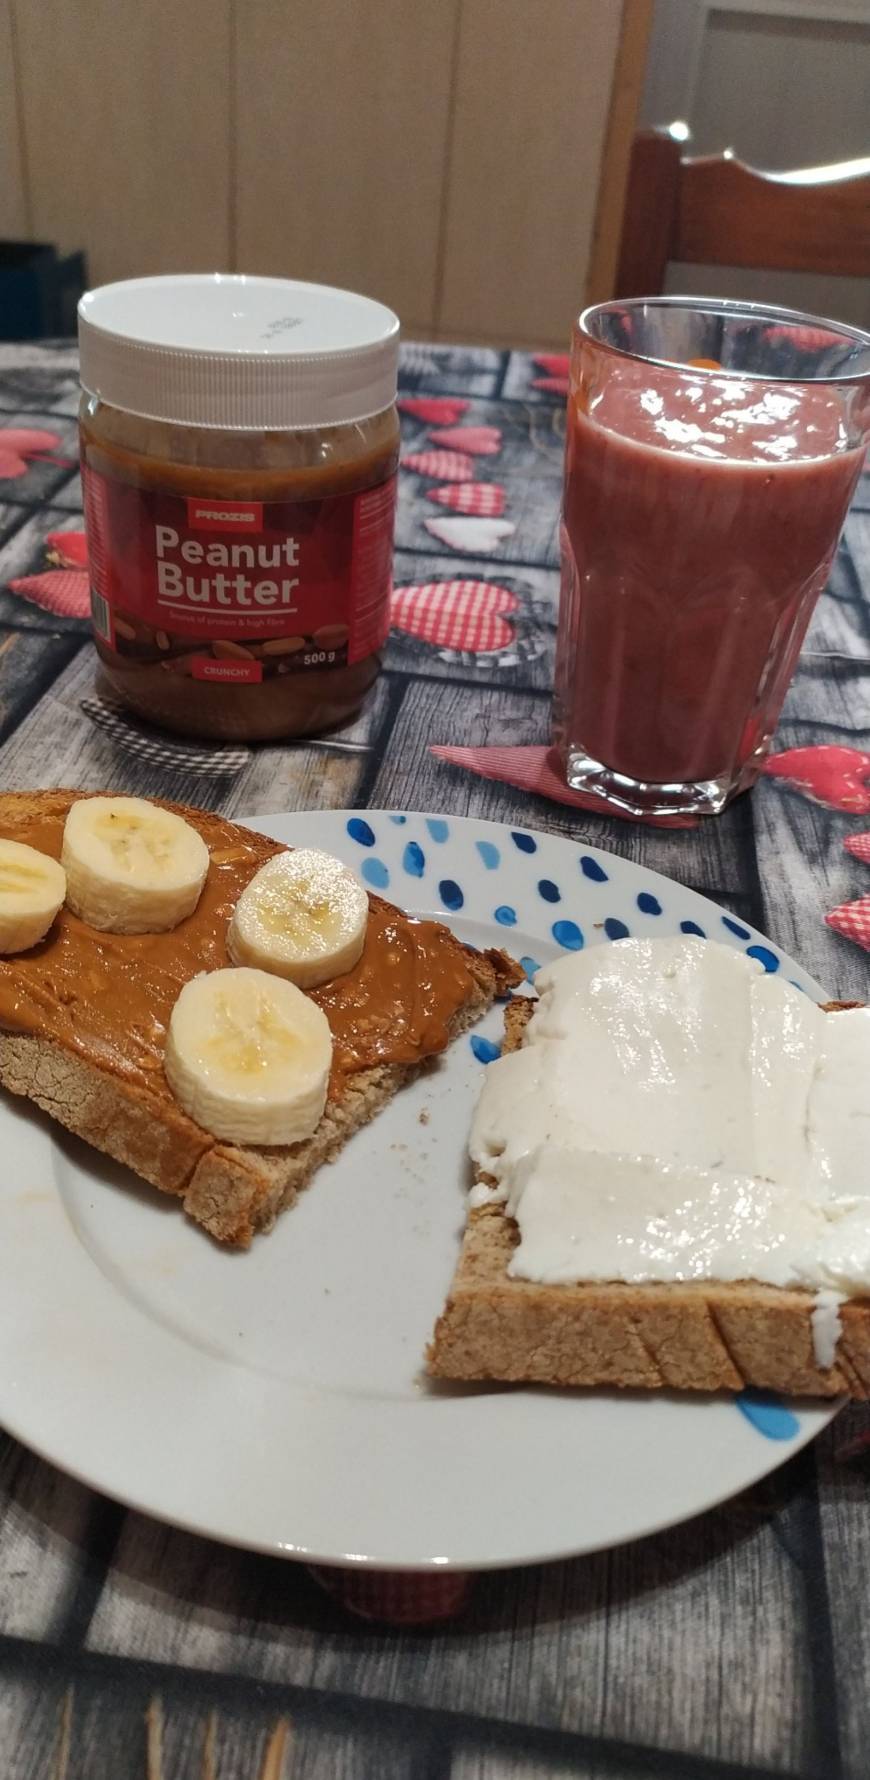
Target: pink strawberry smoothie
701,516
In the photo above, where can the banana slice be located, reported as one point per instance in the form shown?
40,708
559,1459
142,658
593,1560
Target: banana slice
248,1057
32,889
302,916
131,867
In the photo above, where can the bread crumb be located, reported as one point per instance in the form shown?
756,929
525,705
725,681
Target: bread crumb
424,1115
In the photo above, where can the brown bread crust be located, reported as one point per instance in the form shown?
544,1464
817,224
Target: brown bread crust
697,1337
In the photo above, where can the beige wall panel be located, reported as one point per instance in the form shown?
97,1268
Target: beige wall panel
13,199
625,99
531,108
342,125
126,118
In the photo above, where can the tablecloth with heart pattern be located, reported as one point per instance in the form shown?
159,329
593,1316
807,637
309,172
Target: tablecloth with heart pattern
125,1641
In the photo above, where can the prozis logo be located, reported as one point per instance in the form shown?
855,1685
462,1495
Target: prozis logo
224,516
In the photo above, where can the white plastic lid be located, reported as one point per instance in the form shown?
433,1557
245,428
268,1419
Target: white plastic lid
224,350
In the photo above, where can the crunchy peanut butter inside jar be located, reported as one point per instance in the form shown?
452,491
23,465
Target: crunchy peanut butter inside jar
239,444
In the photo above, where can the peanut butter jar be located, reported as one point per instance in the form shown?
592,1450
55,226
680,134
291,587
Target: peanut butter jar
239,444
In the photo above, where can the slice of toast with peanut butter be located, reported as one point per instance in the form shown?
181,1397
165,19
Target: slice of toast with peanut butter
83,1018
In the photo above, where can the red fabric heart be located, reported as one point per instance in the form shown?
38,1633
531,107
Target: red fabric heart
536,769
65,592
555,386
455,614
852,919
11,465
449,466
485,500
26,439
17,444
859,846
556,364
69,548
830,775
438,410
481,441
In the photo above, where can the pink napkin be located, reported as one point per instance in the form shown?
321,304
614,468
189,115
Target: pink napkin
536,769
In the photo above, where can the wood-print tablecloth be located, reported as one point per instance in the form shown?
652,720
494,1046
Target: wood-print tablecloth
735,1645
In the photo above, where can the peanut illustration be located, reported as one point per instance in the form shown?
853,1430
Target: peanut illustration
225,650
282,646
331,636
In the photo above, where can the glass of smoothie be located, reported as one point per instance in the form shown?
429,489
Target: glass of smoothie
712,451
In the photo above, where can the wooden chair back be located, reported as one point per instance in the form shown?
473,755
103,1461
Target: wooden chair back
713,210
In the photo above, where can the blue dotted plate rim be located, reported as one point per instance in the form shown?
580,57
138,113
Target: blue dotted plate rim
777,1421
512,836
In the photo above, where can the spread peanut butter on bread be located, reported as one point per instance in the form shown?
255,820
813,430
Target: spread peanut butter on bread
85,1013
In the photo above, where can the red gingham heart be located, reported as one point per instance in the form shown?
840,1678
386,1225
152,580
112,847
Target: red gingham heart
485,500
859,846
852,919
837,777
449,466
556,364
438,410
481,441
808,339
555,386
455,614
65,592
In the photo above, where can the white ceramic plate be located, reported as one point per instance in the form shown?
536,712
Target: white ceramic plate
275,1399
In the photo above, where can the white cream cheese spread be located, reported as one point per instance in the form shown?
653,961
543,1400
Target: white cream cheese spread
677,1114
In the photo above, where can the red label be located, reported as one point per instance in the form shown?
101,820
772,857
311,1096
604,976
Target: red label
291,584
204,667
